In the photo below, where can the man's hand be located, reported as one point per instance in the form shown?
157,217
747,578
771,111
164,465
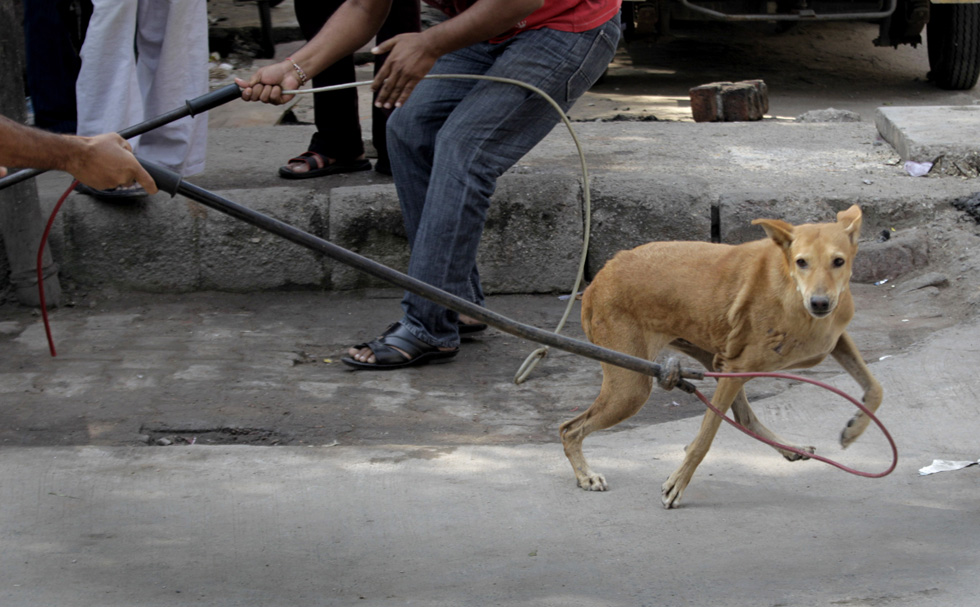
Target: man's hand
107,161
268,83
409,60
102,162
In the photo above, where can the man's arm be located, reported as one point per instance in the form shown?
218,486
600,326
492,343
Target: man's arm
412,55
350,27
102,162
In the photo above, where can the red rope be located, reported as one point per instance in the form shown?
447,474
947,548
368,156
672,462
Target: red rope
40,266
819,458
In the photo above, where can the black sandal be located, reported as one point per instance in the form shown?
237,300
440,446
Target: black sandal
416,351
313,160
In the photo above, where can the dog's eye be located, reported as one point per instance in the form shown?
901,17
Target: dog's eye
838,262
801,264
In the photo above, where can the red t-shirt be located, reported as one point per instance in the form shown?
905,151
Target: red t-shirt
561,15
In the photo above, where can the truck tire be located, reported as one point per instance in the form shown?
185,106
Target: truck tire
953,38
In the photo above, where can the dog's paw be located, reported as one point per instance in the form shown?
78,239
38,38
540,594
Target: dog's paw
671,491
593,482
797,457
854,428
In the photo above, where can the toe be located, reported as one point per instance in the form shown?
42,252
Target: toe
364,355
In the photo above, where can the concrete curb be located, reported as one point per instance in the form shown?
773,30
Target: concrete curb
943,136
649,181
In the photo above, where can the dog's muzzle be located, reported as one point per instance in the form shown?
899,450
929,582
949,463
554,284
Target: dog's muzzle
819,306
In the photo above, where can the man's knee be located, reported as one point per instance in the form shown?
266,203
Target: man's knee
397,128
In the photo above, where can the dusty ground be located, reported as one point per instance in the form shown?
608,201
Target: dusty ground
808,67
136,367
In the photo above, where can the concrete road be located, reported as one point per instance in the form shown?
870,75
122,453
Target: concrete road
456,491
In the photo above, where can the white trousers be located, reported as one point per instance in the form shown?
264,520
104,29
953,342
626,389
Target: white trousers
140,59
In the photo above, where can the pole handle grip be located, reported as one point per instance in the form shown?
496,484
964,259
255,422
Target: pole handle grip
213,99
168,181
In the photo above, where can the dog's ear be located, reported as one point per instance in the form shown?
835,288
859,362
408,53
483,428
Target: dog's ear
851,219
779,231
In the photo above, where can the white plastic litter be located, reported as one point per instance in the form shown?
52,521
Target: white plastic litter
917,169
945,465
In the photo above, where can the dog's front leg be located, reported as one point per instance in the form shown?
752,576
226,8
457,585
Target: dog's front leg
846,353
673,489
744,415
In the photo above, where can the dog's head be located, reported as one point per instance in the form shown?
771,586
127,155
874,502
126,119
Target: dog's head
818,257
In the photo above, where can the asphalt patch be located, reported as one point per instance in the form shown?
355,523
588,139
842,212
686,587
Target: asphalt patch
256,437
969,205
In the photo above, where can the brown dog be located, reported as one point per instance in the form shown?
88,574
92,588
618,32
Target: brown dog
778,303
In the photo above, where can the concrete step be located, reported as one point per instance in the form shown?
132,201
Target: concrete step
946,137
648,181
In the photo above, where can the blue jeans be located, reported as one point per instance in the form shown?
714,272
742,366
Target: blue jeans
453,138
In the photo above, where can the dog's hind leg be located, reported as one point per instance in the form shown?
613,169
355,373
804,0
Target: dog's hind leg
623,393
847,354
673,489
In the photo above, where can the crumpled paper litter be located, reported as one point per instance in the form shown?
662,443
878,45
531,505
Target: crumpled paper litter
945,465
918,169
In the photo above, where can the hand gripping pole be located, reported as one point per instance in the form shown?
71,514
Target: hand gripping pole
192,107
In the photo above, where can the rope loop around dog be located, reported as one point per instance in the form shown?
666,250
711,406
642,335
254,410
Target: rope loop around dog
670,374
805,454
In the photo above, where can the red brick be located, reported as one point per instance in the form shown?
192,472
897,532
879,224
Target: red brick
730,101
704,103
